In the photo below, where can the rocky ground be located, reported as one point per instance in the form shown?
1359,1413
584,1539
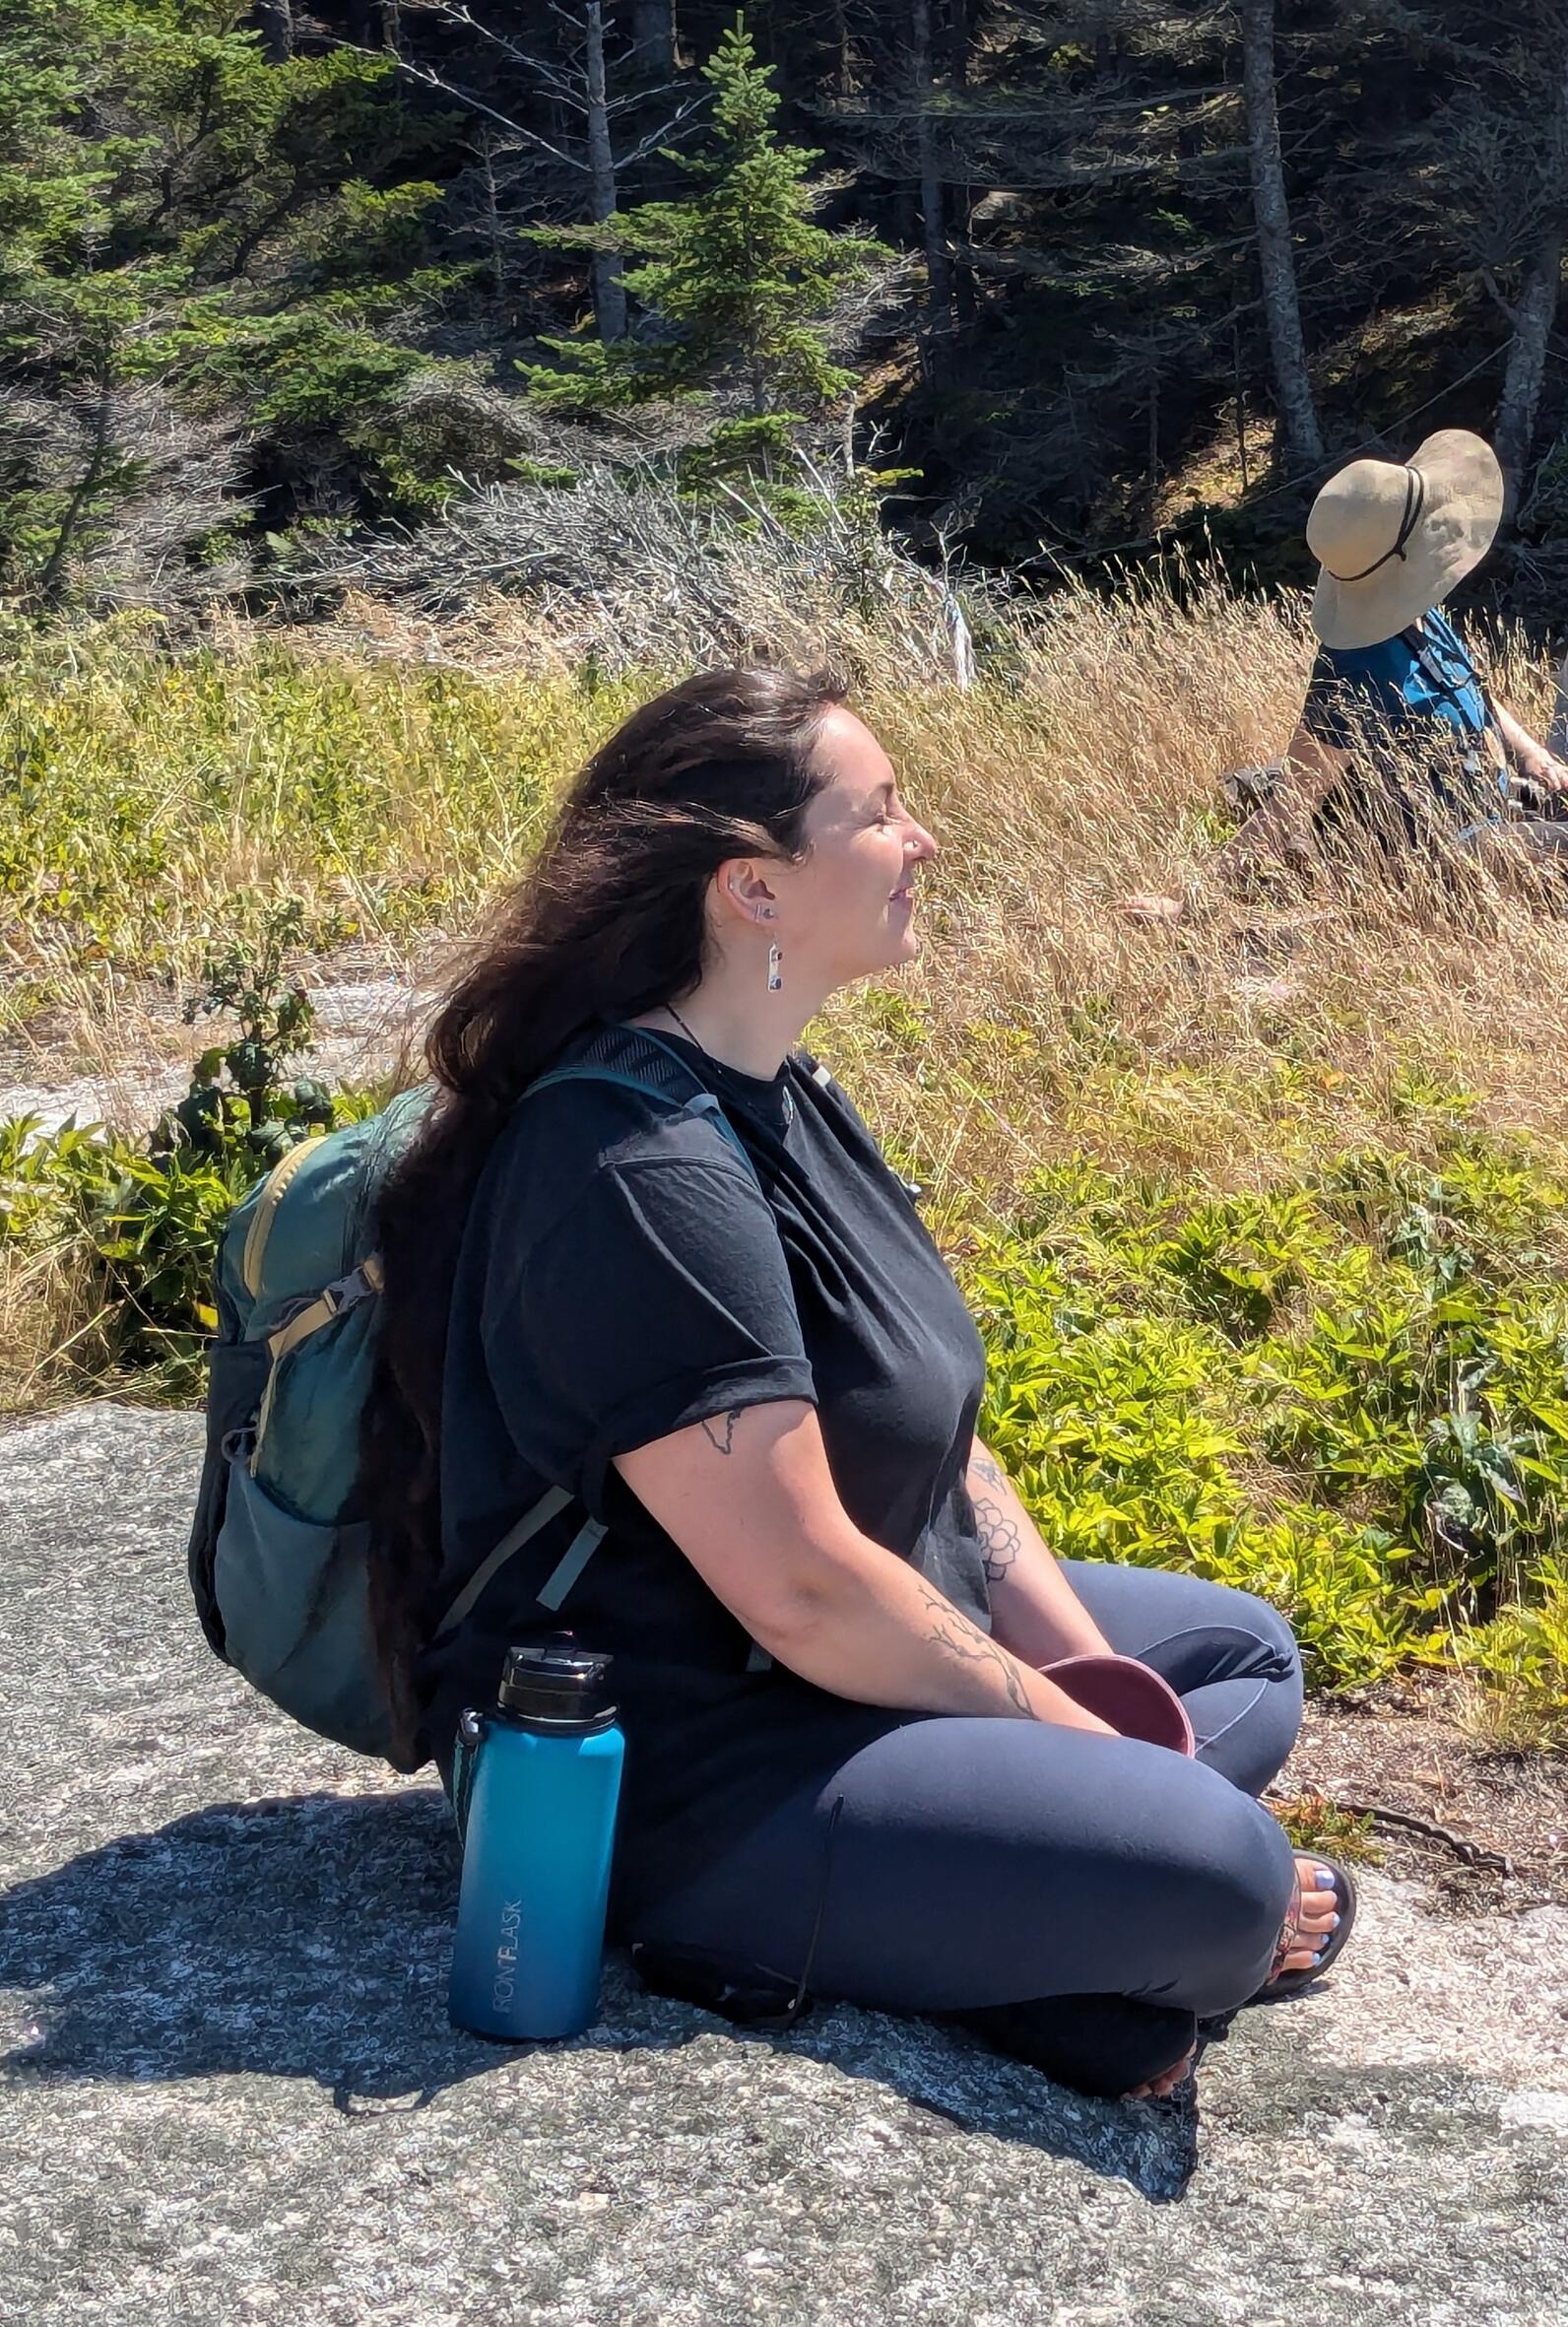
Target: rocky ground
232,2092
1483,1828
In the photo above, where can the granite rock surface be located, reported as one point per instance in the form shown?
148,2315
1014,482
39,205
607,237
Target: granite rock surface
231,2091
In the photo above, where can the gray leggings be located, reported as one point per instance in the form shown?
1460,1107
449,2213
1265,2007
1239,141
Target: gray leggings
985,1863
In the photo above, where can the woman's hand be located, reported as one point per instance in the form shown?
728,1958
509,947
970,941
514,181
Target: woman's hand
1545,768
1152,911
1532,760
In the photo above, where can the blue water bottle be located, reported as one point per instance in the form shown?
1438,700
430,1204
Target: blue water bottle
535,1785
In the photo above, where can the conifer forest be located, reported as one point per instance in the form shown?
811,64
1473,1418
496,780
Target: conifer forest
1054,289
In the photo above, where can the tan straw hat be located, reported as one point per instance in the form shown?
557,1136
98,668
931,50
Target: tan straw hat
1394,542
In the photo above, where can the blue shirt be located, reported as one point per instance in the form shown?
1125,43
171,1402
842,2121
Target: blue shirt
1354,686
1421,675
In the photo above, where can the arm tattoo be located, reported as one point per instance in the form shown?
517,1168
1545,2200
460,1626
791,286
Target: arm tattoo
954,1633
1000,1536
719,1429
997,1531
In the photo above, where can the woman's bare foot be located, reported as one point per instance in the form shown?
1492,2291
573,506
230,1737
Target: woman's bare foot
1314,1916
1159,2086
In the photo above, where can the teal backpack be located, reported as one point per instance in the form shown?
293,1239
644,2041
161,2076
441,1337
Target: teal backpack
278,1551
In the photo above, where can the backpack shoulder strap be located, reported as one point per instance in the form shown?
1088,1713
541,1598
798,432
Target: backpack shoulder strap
1421,648
554,1500
700,1100
274,1190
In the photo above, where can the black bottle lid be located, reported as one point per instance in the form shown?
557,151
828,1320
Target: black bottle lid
556,1686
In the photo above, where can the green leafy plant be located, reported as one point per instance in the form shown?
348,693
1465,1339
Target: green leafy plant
237,1100
145,1217
1325,1394
1314,1822
1519,1664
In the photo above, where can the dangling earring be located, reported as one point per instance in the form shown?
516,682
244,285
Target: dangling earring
775,958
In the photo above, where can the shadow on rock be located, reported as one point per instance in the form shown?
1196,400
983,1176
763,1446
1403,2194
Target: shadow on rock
310,1937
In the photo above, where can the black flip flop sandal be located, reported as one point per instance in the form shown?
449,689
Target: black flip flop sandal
1282,1984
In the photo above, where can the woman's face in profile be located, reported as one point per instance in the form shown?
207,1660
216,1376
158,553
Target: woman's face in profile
848,908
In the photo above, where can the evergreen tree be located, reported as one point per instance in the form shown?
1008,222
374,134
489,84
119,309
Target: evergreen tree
738,281
197,245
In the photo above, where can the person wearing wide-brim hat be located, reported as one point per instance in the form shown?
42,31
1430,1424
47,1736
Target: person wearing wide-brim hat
1399,734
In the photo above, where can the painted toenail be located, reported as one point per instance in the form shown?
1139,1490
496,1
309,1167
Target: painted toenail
1324,1879
1334,1922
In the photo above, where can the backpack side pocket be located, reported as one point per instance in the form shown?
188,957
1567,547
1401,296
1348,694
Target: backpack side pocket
236,1382
293,1599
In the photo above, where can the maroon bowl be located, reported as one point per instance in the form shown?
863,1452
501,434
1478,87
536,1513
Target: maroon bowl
1131,1695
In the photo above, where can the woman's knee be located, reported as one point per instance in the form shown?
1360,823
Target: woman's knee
1271,1628
1236,1871
1200,1630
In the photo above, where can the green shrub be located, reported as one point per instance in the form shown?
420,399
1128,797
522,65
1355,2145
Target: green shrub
1348,1395
144,1217
1520,1662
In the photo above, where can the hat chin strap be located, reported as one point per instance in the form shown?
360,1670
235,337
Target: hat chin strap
1414,503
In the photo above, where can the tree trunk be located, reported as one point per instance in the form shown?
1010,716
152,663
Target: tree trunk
966,286
965,290
959,43
51,582
1518,403
275,23
1298,416
492,215
843,67
610,292
1153,450
653,31
938,274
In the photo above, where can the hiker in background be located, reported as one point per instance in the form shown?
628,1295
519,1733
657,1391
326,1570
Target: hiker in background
855,1755
1400,739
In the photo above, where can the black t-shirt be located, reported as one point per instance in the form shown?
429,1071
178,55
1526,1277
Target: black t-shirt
624,1273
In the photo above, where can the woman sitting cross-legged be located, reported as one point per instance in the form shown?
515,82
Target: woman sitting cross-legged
740,1354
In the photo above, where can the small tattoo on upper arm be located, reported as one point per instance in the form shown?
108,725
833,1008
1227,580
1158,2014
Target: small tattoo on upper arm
719,1429
992,1472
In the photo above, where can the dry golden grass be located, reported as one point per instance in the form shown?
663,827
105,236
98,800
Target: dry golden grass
395,789
1227,1047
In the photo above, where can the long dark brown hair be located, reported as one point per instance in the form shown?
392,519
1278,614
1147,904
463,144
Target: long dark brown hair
609,922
